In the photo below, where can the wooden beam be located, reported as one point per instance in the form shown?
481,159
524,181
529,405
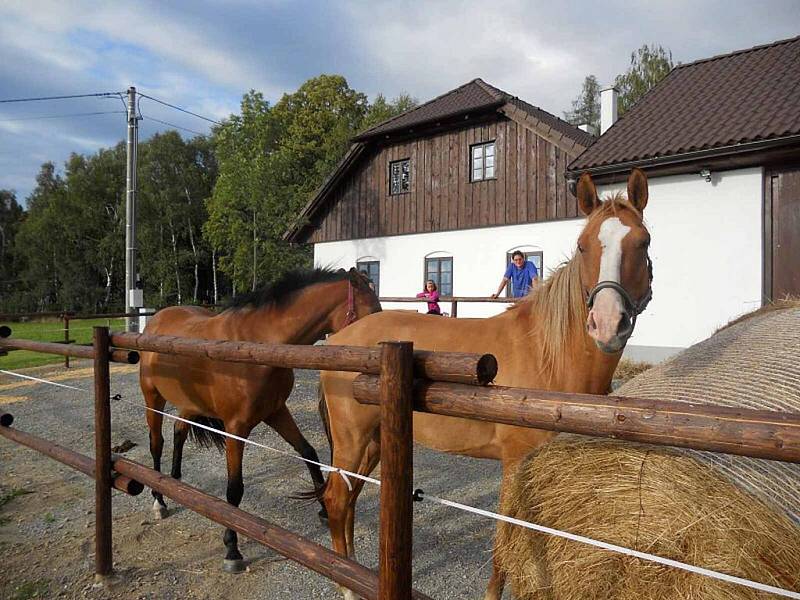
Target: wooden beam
756,433
397,473
474,369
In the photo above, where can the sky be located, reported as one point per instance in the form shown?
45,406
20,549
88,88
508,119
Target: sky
203,56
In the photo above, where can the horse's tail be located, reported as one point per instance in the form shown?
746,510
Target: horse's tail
205,438
317,492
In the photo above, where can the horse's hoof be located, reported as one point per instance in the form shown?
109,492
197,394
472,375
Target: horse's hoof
234,565
160,511
323,516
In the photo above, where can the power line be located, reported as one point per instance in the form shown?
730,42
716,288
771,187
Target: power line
85,114
97,95
188,112
171,125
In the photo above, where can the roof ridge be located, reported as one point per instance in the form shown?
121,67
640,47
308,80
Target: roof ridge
424,104
508,97
539,108
736,52
493,91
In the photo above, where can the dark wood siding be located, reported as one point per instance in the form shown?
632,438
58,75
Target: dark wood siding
781,239
529,186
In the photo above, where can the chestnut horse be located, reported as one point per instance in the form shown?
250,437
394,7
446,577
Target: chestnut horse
567,334
299,308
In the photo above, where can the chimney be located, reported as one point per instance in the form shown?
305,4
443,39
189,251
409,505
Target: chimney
608,108
588,129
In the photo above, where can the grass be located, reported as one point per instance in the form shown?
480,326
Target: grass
7,497
49,518
31,589
10,495
50,331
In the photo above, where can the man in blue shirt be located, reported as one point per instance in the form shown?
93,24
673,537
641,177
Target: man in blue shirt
522,274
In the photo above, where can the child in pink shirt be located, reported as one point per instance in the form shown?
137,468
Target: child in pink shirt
431,294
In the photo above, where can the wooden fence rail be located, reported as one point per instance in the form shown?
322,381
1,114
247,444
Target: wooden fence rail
453,300
441,387
746,432
78,351
132,477
458,367
393,582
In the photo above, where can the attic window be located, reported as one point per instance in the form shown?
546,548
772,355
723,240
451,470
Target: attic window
400,176
483,161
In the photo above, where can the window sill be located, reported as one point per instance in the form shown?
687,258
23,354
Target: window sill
482,180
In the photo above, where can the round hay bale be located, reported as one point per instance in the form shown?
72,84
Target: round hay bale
730,514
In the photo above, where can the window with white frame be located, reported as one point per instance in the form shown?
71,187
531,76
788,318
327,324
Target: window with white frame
482,161
440,270
400,176
372,269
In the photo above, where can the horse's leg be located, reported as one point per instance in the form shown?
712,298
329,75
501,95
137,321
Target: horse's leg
281,421
234,449
180,433
154,422
372,456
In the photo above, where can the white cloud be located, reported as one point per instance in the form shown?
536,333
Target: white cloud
53,29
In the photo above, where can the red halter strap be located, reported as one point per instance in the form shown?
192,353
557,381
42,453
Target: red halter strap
350,316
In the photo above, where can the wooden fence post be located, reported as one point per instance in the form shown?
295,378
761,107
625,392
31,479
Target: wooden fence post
397,380
66,338
102,452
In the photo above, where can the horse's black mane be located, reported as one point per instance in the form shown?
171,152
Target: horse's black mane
282,289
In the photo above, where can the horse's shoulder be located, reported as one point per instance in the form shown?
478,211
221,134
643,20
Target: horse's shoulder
178,319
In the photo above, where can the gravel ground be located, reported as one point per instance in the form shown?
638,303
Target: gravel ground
46,536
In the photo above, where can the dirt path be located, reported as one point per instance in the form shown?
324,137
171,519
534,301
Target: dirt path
46,532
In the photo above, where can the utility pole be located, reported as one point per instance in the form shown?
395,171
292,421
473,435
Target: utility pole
132,296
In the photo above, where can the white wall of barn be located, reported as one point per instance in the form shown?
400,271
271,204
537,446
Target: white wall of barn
706,252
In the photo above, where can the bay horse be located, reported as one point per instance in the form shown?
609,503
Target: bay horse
566,335
299,308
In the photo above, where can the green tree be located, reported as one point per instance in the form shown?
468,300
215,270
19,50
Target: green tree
271,160
35,247
176,178
381,109
11,216
586,107
649,65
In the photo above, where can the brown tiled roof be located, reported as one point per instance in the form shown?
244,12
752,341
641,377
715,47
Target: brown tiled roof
747,96
475,96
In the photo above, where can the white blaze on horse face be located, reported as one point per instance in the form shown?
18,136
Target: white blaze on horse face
608,307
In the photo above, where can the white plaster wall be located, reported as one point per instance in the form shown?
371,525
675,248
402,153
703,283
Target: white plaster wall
706,251
479,259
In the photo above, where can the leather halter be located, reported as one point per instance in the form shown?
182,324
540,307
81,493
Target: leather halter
634,309
350,316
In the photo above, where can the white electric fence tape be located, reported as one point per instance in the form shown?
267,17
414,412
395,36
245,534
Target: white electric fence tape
420,495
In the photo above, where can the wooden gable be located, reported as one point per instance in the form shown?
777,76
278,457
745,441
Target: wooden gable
529,185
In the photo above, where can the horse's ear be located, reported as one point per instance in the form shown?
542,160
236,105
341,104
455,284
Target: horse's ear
637,189
354,275
587,194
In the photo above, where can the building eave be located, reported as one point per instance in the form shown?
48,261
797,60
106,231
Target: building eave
686,161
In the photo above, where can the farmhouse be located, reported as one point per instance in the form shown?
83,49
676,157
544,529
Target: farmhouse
449,189
446,191
719,139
